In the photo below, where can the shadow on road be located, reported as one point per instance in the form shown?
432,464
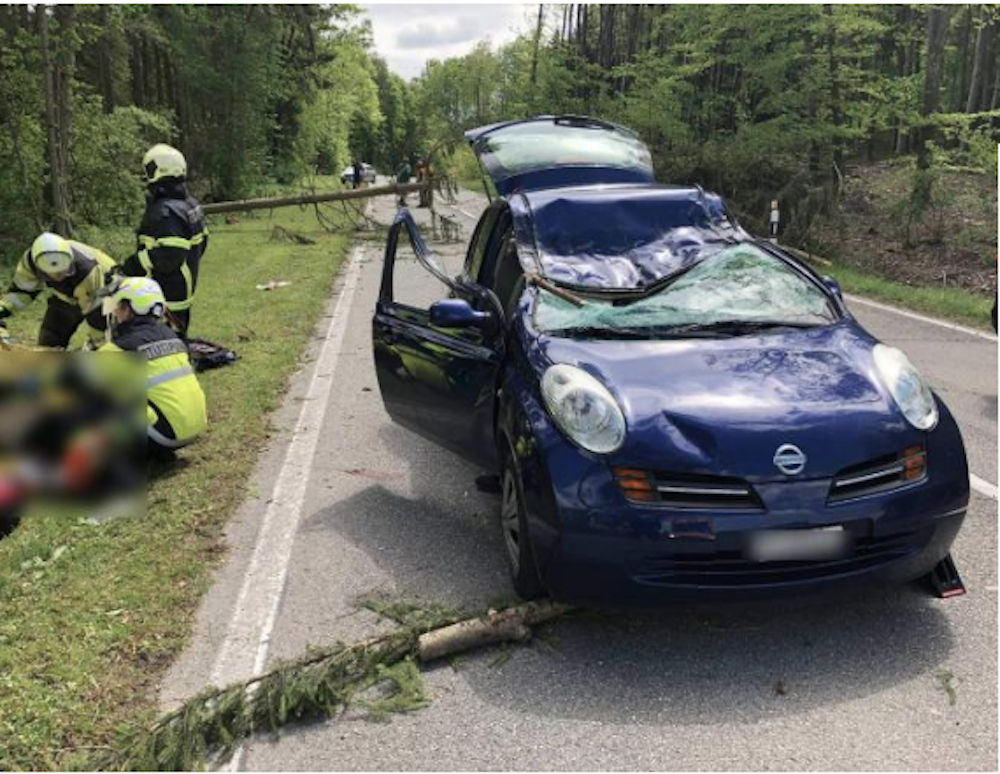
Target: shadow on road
685,666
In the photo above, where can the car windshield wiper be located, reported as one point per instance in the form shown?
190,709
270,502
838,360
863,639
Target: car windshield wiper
737,327
597,332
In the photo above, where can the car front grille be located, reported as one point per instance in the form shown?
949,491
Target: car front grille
732,569
879,475
688,490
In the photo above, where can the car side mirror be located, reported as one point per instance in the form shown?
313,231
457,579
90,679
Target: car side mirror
833,286
456,313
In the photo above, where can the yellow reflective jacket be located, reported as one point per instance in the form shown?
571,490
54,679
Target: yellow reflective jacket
176,411
91,268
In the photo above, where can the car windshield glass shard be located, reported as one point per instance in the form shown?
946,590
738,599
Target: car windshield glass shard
534,145
740,289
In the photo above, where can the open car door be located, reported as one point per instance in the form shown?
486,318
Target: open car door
438,345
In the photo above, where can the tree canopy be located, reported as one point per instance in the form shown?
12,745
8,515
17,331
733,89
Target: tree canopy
755,101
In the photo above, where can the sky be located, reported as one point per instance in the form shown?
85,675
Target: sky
406,36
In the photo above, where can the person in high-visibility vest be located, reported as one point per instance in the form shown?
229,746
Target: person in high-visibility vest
172,237
175,404
75,274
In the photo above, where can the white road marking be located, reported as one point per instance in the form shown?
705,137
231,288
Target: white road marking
469,215
243,652
978,484
922,318
983,486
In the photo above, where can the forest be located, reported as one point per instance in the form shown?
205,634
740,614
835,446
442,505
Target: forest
757,102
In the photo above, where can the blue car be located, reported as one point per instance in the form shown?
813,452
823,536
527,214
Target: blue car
675,409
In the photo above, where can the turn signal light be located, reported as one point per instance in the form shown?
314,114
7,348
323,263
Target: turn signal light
636,485
914,463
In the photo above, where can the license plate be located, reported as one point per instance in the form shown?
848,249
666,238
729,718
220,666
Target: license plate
776,545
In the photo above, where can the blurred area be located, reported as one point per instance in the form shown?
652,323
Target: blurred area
72,433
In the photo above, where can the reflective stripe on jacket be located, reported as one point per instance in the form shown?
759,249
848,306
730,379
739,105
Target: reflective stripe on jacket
172,389
90,272
170,243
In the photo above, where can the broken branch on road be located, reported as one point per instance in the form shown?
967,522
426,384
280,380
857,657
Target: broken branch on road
323,683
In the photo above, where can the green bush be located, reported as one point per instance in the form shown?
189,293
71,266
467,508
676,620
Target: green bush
106,161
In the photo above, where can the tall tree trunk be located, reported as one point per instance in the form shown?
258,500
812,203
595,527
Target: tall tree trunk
833,65
138,72
105,74
65,68
960,86
979,66
937,27
815,155
908,60
995,98
58,195
990,69
534,53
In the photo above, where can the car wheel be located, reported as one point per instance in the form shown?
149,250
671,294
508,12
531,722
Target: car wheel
517,544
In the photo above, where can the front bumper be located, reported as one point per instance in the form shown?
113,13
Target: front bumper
592,545
592,568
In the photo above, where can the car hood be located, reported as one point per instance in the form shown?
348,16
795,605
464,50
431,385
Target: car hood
724,406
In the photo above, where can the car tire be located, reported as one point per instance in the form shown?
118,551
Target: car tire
514,530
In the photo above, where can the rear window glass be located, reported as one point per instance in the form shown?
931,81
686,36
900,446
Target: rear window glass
538,145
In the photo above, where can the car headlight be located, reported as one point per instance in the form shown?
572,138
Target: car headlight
906,386
583,408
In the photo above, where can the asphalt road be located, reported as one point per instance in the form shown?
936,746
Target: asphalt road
352,505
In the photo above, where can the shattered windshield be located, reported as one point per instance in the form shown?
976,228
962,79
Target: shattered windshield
543,144
738,289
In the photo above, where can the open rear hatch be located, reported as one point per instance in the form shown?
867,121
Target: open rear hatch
554,151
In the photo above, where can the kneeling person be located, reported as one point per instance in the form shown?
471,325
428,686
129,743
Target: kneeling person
175,407
75,274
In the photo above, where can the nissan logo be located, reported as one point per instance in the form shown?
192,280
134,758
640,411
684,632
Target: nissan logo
789,459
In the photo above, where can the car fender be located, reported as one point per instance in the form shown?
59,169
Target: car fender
519,414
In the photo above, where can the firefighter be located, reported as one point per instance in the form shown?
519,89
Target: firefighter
75,274
172,237
175,403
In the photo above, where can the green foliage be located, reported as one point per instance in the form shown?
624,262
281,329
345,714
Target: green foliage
409,612
22,143
970,139
253,94
105,190
757,101
326,123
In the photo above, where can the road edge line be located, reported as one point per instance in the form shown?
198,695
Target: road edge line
243,651
920,317
983,486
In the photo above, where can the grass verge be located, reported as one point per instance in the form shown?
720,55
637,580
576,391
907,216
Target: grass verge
94,614
955,304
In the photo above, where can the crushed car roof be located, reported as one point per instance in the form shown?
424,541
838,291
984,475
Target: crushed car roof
618,237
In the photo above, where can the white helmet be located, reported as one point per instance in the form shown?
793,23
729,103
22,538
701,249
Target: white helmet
141,293
162,162
52,255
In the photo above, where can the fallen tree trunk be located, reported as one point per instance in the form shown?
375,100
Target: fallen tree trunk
245,205
510,625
